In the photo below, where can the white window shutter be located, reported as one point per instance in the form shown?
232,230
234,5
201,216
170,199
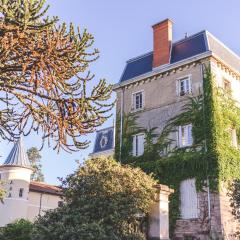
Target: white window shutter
177,88
143,99
141,144
189,199
190,84
134,146
189,135
180,136
234,138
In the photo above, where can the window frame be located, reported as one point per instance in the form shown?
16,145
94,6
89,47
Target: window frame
136,153
227,83
186,92
234,137
134,109
21,192
189,141
184,210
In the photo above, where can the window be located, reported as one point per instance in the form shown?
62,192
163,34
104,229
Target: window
138,145
138,101
189,199
234,137
184,86
227,85
21,192
185,136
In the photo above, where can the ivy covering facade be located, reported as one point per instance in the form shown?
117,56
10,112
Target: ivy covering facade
212,156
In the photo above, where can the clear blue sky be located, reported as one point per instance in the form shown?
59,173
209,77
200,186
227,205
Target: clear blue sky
122,30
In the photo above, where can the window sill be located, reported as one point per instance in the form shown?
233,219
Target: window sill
189,219
186,146
137,110
185,95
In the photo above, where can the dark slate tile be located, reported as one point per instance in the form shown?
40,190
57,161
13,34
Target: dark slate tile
138,67
187,48
104,140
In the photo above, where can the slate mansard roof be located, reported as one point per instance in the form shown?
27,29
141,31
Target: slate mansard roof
184,49
104,141
17,156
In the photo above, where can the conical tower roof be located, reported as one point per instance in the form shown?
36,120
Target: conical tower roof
18,156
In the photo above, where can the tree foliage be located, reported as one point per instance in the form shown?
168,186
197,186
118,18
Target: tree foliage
103,200
35,158
44,77
19,230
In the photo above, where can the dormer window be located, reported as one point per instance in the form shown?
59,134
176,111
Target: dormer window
184,86
137,100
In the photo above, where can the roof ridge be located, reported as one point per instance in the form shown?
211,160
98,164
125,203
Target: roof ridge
139,57
174,43
43,184
189,37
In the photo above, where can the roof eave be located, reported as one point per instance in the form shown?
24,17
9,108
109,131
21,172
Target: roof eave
18,166
162,69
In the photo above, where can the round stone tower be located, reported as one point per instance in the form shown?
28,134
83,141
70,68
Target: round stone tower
15,176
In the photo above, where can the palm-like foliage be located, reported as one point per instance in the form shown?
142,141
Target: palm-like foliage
192,112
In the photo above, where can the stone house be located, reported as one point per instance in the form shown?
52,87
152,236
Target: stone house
155,86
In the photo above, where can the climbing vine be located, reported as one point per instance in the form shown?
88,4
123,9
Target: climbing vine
213,115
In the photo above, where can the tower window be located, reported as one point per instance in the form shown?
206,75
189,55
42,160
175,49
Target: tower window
21,190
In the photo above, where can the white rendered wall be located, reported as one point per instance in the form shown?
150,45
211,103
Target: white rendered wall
39,203
14,206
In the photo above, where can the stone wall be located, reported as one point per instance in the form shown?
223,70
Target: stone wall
222,223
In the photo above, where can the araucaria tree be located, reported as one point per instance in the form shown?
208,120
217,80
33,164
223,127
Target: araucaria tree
103,200
44,76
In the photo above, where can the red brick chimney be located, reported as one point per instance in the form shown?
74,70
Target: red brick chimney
162,40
